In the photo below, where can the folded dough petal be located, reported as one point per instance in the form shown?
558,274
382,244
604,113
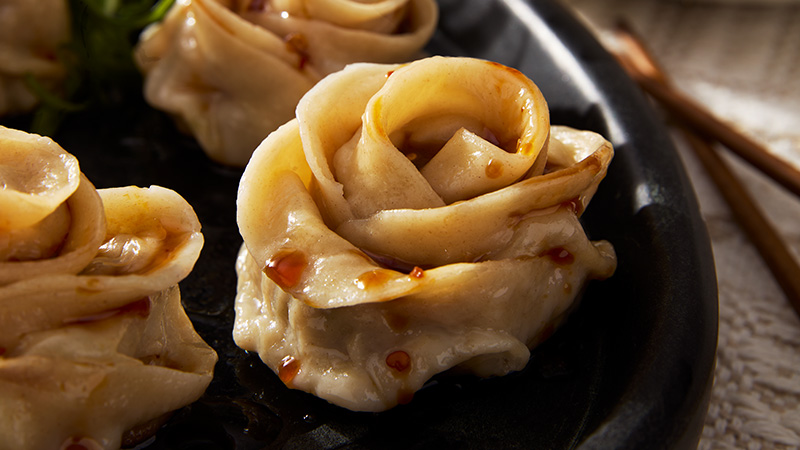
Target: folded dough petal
36,175
152,242
382,246
232,72
94,341
51,217
97,379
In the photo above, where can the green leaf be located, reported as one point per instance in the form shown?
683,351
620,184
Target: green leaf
98,58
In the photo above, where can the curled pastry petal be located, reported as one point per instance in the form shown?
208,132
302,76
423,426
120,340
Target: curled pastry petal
383,245
152,242
51,217
36,176
86,326
231,72
109,369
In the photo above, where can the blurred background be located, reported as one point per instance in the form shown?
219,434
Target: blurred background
741,60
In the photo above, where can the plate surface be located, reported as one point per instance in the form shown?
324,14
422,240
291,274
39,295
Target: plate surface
632,367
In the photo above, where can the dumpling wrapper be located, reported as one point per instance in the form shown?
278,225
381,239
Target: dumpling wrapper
94,341
152,241
91,381
51,217
231,72
366,270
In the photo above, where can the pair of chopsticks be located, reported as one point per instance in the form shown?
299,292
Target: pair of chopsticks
702,130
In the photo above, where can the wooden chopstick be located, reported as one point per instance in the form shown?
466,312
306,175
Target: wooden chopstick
642,66
701,119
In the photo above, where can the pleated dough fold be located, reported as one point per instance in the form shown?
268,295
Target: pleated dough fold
233,71
94,341
413,219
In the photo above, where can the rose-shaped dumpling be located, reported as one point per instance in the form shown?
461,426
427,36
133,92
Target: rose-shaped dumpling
94,343
233,71
51,217
413,219
31,33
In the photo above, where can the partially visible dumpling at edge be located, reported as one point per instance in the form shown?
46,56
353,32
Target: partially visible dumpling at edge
95,347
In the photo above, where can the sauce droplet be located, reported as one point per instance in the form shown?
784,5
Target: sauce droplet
286,268
389,73
560,256
417,272
524,148
373,278
289,369
398,360
494,169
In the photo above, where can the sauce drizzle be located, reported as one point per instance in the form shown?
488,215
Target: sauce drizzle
373,278
286,267
289,369
398,361
560,256
494,169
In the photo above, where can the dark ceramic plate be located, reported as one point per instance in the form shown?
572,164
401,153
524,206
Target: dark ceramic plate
631,369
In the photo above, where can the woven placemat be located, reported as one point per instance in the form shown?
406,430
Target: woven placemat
742,60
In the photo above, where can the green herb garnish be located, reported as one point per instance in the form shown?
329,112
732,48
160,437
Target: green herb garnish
98,58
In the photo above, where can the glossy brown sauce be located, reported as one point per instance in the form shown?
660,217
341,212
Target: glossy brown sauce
560,256
374,278
288,370
286,267
494,169
398,361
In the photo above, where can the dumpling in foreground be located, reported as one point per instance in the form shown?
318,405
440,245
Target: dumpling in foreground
95,347
233,71
413,219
